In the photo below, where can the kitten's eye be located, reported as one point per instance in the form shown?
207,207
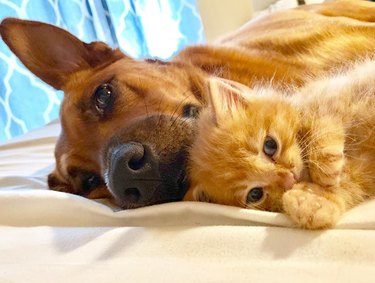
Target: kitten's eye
90,182
269,146
254,195
190,111
103,97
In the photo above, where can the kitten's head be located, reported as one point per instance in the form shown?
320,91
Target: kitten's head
247,152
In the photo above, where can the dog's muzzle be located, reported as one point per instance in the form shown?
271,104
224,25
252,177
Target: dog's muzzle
146,163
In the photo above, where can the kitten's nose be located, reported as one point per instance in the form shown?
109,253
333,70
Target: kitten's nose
286,180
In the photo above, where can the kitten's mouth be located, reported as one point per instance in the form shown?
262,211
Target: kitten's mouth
295,175
287,179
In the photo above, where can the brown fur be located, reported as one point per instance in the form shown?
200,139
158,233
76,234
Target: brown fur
283,47
324,164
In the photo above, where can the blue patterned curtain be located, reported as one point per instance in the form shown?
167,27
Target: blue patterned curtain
152,28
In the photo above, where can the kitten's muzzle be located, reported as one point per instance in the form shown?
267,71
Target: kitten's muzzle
287,180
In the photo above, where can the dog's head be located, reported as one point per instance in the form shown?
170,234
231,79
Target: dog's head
126,124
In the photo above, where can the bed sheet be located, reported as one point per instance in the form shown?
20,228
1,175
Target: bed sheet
48,236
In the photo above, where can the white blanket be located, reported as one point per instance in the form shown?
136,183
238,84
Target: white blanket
47,236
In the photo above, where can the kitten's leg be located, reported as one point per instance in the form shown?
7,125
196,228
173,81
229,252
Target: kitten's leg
326,152
312,206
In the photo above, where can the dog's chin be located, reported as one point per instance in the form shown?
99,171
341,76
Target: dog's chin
153,201
163,194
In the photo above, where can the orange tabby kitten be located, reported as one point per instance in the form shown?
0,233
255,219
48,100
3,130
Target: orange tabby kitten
310,154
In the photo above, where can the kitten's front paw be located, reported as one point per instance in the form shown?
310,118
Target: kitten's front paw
304,204
326,166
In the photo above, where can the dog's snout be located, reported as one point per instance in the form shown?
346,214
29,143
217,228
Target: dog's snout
134,173
132,195
132,155
145,164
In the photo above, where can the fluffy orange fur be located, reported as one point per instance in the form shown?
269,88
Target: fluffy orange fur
321,158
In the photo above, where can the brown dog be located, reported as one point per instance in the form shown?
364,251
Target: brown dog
127,124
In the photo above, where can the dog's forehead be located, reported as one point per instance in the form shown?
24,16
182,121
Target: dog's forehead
140,77
148,74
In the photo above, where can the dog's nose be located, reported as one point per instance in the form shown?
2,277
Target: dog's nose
134,173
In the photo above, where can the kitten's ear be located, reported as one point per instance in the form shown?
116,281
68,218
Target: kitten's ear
225,97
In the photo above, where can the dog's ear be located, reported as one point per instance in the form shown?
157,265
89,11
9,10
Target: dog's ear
52,53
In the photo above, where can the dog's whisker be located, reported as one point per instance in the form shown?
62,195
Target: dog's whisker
145,103
159,110
179,105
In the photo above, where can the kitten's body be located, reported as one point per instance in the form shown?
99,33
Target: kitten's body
325,158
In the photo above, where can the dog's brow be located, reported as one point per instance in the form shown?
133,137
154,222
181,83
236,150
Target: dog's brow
137,90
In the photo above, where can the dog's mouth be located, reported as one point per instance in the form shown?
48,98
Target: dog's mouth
132,195
183,182
182,186
146,164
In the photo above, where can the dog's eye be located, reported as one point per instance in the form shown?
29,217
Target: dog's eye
90,182
190,111
254,195
103,97
269,146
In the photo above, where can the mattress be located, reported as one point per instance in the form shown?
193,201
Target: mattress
48,236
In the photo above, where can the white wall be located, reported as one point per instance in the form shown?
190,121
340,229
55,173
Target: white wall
222,16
